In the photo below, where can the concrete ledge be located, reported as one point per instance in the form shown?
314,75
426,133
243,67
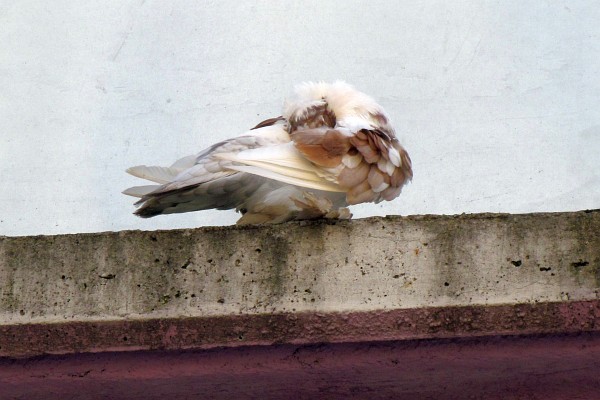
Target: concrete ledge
299,271
473,278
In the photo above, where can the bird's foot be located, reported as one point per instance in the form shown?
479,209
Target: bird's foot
340,213
313,207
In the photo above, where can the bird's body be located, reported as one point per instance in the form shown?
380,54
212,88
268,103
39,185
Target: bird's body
332,147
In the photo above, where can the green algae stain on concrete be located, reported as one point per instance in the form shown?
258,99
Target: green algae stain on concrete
273,254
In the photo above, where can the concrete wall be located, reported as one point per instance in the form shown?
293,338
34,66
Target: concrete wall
491,306
496,101
372,265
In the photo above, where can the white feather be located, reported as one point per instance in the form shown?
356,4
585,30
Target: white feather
163,175
140,191
281,162
268,173
156,174
382,186
386,166
184,163
352,161
342,98
395,157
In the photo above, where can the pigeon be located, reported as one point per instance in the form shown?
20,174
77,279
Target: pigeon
332,147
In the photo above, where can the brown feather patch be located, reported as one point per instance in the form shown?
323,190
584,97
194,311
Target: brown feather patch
350,177
398,177
406,163
336,143
316,116
391,193
361,193
378,180
375,178
324,147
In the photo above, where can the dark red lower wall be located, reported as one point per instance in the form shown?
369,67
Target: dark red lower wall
517,367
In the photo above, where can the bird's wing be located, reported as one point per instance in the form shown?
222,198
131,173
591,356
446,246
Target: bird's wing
366,162
162,175
205,180
348,135
284,163
369,164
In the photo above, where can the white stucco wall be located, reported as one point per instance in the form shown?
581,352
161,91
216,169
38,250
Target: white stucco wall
498,103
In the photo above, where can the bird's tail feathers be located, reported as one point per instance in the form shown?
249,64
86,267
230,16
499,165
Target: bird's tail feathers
156,174
161,175
140,191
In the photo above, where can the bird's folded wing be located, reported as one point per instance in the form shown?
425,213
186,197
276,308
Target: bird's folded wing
282,162
370,165
184,173
204,167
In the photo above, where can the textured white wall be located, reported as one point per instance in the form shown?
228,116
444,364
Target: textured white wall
498,103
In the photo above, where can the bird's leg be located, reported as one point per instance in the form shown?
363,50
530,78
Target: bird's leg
313,207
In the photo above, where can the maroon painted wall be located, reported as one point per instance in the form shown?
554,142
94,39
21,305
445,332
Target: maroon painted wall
532,367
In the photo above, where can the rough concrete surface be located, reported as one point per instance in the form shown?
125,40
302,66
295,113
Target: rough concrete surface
424,307
363,265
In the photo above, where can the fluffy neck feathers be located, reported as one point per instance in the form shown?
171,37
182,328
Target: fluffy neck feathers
348,104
